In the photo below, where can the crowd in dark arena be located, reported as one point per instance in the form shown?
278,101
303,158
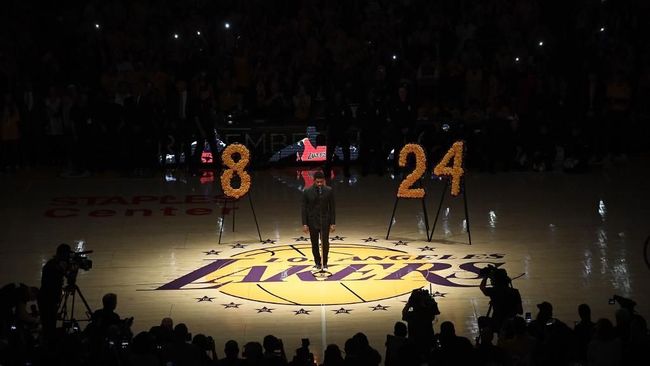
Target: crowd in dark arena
530,85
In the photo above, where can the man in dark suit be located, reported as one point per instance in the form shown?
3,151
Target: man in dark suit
318,217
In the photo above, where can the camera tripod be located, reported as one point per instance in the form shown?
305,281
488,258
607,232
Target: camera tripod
69,295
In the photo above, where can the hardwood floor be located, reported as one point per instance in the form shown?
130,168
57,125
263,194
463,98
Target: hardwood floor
566,239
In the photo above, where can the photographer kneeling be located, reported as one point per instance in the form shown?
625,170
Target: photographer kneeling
505,301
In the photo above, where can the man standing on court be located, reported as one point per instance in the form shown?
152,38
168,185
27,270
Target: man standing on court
318,217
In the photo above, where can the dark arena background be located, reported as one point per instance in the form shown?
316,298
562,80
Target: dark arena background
490,155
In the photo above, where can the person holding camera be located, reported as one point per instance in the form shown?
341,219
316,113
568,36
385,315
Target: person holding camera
181,351
13,307
208,350
274,351
419,313
395,344
108,334
49,296
505,301
303,356
106,317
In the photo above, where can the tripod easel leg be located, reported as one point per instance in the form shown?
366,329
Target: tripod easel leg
442,198
390,223
469,233
250,200
223,218
426,217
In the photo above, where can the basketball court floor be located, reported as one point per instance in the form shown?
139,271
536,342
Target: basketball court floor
566,239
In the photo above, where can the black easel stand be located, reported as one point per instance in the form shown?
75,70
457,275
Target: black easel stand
442,198
424,210
234,201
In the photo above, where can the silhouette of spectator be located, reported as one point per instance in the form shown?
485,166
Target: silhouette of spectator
584,330
273,351
340,120
394,344
10,135
164,337
181,351
635,350
605,347
167,324
332,356
452,349
301,104
107,331
486,353
554,340
373,135
619,95
104,318
17,323
231,350
519,346
402,122
359,352
623,317
369,355
303,356
143,350
207,347
13,306
253,354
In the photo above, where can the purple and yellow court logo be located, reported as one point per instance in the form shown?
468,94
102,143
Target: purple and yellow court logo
360,273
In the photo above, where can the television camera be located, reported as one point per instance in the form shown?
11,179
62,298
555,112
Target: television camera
76,261
623,302
421,299
497,276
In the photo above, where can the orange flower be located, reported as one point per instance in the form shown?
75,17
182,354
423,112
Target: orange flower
405,190
235,167
456,171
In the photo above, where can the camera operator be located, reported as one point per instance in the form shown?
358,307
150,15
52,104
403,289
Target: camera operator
505,301
49,296
419,313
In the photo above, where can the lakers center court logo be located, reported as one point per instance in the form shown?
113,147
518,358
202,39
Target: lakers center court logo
360,273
